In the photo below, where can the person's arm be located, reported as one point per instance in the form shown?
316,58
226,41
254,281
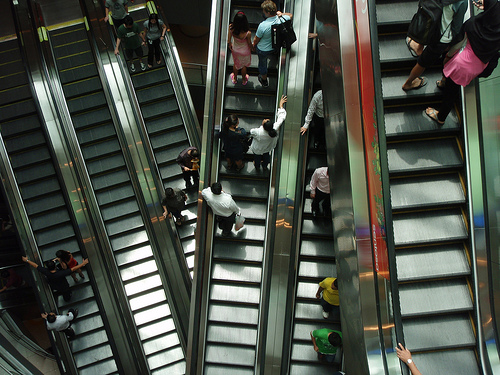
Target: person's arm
32,264
142,35
166,213
314,342
83,264
181,161
249,39
256,41
281,113
313,184
107,14
229,37
318,293
118,41
235,207
405,355
163,31
3,289
279,14
44,315
309,115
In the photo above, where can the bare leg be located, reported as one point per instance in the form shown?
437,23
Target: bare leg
244,73
415,73
235,72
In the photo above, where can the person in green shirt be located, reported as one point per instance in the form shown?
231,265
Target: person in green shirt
133,40
326,343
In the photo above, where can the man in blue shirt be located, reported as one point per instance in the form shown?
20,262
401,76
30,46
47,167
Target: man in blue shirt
263,37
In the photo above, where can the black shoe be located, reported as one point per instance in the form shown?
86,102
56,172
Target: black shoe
75,313
225,234
316,145
264,83
315,213
69,333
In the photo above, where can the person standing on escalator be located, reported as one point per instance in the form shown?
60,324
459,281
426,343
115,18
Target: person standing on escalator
316,115
262,41
155,31
119,11
133,40
223,207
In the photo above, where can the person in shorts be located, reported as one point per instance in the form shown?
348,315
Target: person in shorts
133,39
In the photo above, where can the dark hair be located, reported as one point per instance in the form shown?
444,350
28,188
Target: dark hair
334,339
216,188
51,318
63,255
51,265
195,153
229,121
169,192
268,127
155,17
5,274
128,20
335,283
240,23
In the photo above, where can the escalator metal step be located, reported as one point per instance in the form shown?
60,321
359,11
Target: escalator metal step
211,369
421,156
77,73
246,188
235,293
238,251
83,87
149,78
155,92
167,122
161,108
310,368
308,311
236,272
31,156
430,226
439,332
15,94
463,361
249,102
317,247
395,12
230,355
426,191
432,262
233,314
434,297
321,227
79,57
317,269
412,121
306,290
392,48
230,334
87,102
392,83
25,141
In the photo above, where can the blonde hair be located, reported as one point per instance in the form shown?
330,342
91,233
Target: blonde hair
269,6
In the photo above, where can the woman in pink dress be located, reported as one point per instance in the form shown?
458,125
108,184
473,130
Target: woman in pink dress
240,44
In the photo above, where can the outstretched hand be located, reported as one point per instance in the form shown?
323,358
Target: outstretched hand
283,100
303,130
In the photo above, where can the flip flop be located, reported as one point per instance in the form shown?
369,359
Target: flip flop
432,114
408,44
423,82
234,79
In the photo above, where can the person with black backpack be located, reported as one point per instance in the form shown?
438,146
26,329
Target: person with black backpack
451,20
262,42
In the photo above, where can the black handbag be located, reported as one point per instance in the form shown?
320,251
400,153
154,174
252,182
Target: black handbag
282,34
425,25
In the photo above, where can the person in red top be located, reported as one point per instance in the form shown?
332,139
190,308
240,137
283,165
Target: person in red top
67,261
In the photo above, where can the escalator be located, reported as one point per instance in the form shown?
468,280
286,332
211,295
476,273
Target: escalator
46,206
235,279
316,261
94,124
427,178
166,124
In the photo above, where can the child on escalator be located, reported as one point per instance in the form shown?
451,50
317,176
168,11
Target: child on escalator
240,46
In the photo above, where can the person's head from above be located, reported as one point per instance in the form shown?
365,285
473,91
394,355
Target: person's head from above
153,18
240,23
269,8
128,21
63,255
51,317
334,339
335,285
216,188
230,122
51,265
268,127
169,192
194,153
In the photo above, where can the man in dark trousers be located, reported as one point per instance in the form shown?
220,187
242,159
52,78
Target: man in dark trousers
61,323
173,204
222,205
189,161
133,38
57,279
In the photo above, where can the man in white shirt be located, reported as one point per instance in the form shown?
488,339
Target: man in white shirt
61,322
222,205
316,114
320,191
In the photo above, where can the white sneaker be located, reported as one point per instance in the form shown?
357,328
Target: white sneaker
326,314
132,68
143,66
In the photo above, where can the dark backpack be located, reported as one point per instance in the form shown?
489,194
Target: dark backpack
425,25
282,34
